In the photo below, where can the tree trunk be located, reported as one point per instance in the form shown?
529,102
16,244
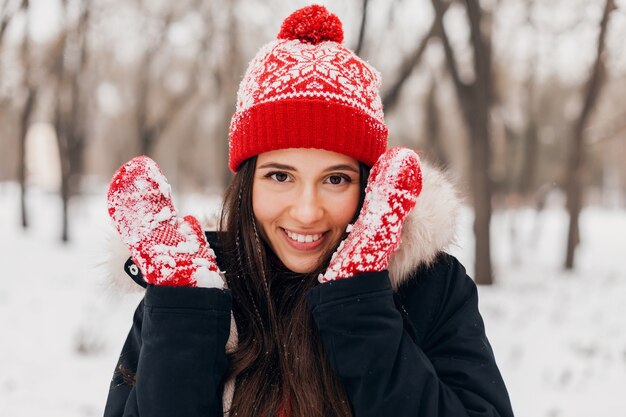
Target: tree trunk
482,192
65,202
228,81
147,132
392,95
62,143
527,174
146,140
481,138
359,45
433,126
576,160
70,110
5,18
24,123
475,100
21,175
27,109
528,170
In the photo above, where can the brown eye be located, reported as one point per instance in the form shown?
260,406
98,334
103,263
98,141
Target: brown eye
279,176
338,179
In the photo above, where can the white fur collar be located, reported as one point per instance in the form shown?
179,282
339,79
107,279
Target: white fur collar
429,229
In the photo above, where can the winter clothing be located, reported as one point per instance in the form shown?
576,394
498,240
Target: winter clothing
393,187
177,346
421,352
169,250
306,90
405,342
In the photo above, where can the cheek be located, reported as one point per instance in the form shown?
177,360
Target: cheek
343,208
267,207
260,207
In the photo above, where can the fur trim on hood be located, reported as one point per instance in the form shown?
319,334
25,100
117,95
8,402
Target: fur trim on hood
429,229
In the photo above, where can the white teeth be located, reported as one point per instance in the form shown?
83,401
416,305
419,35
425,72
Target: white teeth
303,238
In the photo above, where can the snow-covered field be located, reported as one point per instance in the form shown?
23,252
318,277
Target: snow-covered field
560,338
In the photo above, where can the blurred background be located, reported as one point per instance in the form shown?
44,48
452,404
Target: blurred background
522,102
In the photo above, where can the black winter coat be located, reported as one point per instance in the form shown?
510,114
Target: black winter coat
418,352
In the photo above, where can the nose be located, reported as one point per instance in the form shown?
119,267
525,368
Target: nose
307,207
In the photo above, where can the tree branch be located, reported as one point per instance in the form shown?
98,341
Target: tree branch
7,15
359,45
392,95
576,160
148,134
596,78
453,67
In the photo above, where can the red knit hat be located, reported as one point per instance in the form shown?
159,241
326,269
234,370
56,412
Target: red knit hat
306,90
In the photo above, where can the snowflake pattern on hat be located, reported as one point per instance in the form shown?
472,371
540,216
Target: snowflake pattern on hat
327,71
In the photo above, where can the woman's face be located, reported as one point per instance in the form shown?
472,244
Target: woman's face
303,200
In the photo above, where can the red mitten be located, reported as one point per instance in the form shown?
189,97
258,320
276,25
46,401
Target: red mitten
394,184
169,250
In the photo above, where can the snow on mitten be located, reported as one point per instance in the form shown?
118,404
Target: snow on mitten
394,184
170,251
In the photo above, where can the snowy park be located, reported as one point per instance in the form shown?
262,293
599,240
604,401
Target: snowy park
559,338
521,102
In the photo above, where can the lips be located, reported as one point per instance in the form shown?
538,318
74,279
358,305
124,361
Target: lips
303,241
303,238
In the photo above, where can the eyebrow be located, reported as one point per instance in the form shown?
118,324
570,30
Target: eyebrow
339,167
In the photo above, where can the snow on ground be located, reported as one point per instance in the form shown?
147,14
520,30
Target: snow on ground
560,338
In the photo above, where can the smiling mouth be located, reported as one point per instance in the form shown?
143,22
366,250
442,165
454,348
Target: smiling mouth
303,241
303,238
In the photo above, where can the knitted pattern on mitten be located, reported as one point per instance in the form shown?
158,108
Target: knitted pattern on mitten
169,250
392,190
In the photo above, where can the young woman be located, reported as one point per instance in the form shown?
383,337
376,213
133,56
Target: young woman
326,291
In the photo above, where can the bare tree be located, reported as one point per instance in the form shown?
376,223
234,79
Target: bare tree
30,92
148,133
412,60
522,150
359,44
475,99
151,126
69,71
227,81
576,160
433,125
610,130
6,14
526,177
4,18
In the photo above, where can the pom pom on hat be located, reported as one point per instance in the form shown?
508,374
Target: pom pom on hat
312,24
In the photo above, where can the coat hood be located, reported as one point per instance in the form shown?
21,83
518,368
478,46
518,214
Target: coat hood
429,229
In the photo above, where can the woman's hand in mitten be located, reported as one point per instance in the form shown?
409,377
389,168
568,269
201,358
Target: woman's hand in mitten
393,187
169,250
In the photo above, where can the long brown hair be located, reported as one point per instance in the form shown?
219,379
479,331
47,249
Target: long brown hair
279,364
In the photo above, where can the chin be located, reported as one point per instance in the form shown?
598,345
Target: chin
307,264
303,267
